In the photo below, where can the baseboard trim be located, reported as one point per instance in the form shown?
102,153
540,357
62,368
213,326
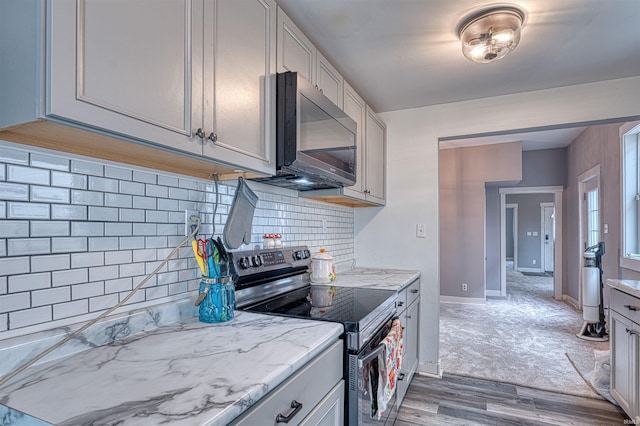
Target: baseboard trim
462,300
534,270
493,293
571,301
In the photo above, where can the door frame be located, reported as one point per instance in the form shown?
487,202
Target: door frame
543,257
515,234
583,178
557,192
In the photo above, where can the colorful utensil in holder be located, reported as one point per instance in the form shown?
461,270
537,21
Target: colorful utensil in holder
216,299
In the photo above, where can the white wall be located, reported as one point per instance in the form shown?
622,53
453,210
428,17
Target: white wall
386,237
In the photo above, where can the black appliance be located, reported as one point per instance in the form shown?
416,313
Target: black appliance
276,282
315,140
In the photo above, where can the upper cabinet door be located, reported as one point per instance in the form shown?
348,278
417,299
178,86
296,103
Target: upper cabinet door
329,80
131,68
376,139
355,107
296,53
239,82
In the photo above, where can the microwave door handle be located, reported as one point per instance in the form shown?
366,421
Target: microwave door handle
363,361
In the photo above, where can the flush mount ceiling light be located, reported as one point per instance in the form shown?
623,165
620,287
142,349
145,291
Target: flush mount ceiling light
491,34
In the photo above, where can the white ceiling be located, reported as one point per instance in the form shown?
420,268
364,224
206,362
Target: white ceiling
401,54
543,139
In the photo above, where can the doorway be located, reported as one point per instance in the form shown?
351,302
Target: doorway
557,192
589,213
547,213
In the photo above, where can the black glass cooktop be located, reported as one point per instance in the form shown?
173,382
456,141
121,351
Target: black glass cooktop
329,303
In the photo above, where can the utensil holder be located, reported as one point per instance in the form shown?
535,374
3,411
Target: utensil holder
219,299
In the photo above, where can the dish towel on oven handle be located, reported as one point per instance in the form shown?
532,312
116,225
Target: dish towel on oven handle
390,362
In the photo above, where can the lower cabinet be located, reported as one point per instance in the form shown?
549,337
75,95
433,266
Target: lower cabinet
624,330
409,308
312,396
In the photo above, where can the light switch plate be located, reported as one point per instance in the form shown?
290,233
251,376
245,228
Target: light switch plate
421,230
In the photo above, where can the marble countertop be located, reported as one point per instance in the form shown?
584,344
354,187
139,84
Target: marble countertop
387,279
631,287
189,373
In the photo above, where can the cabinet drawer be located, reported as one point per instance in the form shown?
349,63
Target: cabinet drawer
625,304
402,300
308,387
413,292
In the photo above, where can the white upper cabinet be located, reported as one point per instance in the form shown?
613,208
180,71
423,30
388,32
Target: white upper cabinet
239,82
296,53
135,68
375,163
355,107
194,76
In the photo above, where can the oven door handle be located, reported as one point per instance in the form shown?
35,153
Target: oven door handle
371,356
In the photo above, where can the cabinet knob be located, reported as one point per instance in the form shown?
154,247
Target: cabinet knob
414,291
213,137
631,308
200,133
400,304
401,376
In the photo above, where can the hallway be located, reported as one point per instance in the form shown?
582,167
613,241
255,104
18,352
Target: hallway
526,338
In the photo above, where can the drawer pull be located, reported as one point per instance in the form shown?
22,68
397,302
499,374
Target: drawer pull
414,291
401,376
631,308
632,332
297,406
400,304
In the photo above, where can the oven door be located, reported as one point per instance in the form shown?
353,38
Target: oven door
365,385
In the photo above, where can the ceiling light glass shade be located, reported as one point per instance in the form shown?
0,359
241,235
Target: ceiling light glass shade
491,34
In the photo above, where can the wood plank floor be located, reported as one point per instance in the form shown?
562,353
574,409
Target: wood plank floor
457,400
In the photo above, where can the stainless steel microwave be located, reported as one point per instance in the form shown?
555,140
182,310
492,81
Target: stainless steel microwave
315,140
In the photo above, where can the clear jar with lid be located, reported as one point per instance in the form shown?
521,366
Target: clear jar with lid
277,240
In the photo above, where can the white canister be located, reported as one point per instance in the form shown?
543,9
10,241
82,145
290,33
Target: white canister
322,271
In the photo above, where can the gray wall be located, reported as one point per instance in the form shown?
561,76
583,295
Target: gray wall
463,174
596,145
544,167
529,220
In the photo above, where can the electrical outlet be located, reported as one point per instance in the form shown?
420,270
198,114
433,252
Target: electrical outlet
188,223
534,261
464,287
421,230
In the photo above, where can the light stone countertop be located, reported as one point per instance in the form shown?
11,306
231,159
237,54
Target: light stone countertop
387,279
631,287
189,373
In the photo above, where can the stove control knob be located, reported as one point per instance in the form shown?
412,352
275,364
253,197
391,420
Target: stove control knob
297,255
244,263
256,261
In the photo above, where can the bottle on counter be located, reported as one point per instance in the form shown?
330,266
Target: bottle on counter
277,240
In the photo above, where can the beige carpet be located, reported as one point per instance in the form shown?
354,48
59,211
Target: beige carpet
526,338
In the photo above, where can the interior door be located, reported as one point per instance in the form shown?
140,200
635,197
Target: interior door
591,213
549,236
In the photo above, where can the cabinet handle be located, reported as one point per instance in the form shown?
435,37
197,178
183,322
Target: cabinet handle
366,191
632,332
401,376
213,137
414,291
631,308
400,304
408,316
200,133
297,406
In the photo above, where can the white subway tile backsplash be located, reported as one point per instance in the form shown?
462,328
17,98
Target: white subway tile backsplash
144,177
3,285
13,156
15,301
55,262
118,229
167,180
132,215
68,244
118,200
131,243
157,191
156,292
14,191
100,303
103,273
167,229
18,283
146,229
24,174
157,216
103,243
187,183
131,270
28,246
155,242
89,198
17,210
83,260
49,228
103,184
132,188
70,309
3,209
87,167
104,214
3,247
88,229
166,204
138,297
68,180
168,278
118,173
178,194
50,195
14,228
72,276
4,322
47,161
118,285
68,212
30,317
3,174
118,257
85,291
50,296
144,203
